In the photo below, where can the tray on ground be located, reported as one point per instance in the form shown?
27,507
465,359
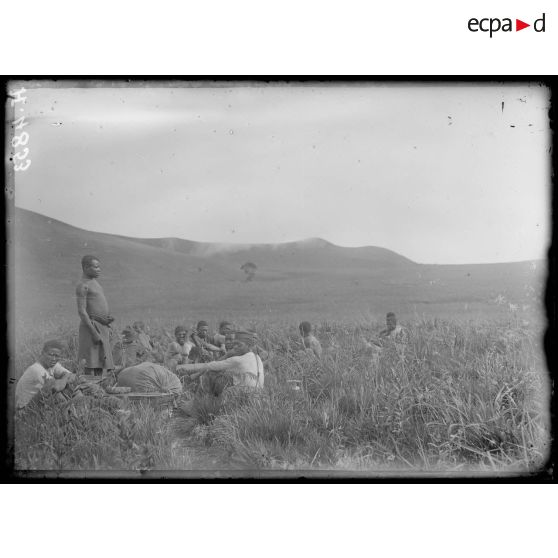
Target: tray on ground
151,398
90,378
147,396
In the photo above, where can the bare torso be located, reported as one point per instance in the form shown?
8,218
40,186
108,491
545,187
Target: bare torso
95,301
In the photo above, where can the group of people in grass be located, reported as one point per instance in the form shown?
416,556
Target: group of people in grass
232,358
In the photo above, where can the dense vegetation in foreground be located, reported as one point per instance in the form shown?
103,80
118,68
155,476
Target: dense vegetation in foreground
460,397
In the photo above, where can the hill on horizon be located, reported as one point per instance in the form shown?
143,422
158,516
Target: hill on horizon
288,252
312,278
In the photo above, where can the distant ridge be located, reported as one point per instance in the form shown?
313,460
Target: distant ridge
170,275
205,249
210,248
321,248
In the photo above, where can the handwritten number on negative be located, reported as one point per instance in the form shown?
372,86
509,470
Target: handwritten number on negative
17,96
22,166
20,123
22,139
22,154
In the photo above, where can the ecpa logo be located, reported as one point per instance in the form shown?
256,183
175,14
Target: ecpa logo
494,24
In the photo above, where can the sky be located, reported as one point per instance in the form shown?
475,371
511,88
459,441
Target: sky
440,173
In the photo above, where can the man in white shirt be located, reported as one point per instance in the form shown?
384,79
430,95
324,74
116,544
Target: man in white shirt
46,373
244,369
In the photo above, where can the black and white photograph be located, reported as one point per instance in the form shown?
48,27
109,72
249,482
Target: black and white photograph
277,279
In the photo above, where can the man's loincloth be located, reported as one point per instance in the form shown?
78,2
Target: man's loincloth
96,355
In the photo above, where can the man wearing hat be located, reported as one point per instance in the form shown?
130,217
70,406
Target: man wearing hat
244,369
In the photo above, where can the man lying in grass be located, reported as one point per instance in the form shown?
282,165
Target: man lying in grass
47,374
242,368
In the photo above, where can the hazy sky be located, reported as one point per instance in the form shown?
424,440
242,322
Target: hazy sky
436,173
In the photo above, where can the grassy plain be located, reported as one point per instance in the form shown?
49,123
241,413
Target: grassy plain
462,398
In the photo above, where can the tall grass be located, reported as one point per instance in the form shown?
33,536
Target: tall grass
94,434
457,397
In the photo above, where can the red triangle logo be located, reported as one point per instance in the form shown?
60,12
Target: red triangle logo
519,25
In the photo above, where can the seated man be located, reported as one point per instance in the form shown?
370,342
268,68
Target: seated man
47,374
142,337
203,350
179,350
245,369
394,335
127,351
229,341
230,351
147,377
308,340
218,339
393,331
160,346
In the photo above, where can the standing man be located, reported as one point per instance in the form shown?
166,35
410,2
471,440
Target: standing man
94,344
